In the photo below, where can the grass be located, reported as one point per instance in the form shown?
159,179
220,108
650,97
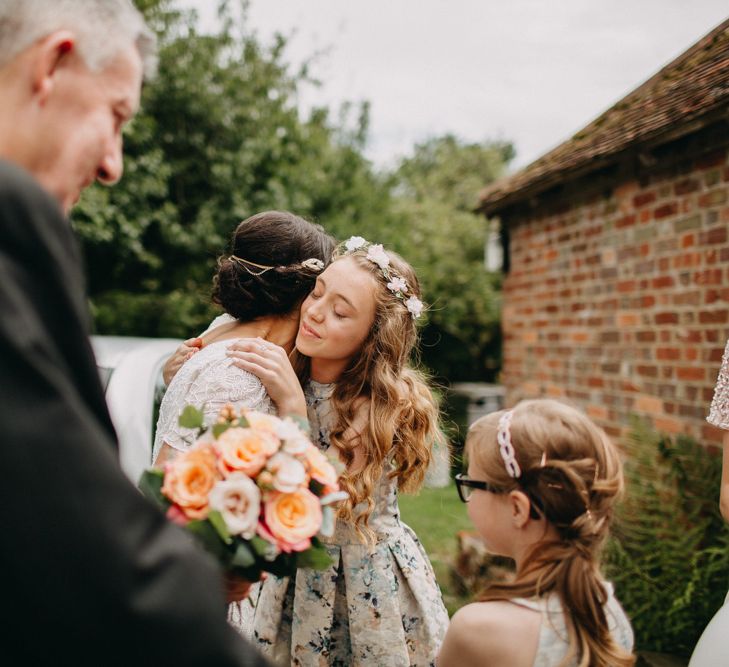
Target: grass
436,515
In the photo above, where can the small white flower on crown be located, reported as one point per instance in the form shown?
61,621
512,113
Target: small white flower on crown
376,253
415,306
355,243
398,284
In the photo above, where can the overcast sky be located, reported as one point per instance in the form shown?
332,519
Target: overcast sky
530,71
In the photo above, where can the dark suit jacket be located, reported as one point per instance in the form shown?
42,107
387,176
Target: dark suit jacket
90,572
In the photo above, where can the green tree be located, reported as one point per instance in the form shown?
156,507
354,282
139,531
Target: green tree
219,137
436,191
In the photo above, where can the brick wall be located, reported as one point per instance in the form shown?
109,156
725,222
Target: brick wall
620,301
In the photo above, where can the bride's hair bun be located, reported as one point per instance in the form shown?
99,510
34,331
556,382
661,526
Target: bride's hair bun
270,271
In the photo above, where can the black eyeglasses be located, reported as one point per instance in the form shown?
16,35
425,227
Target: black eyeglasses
465,485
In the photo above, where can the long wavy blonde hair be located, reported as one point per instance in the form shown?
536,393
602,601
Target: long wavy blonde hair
572,473
403,421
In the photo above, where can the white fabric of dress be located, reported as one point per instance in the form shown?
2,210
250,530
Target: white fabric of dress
554,637
207,381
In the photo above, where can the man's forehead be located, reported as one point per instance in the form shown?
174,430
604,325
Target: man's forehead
123,77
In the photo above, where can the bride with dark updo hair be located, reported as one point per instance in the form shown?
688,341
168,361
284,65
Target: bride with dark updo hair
275,259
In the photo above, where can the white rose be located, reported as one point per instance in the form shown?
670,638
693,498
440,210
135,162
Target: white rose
398,284
238,500
376,253
294,440
414,305
354,243
289,474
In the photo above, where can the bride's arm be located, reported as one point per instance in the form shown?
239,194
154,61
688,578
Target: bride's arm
271,365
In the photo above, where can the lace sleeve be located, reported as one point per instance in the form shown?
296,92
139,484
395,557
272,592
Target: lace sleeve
209,382
719,412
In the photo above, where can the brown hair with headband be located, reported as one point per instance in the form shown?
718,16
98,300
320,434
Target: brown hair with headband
572,474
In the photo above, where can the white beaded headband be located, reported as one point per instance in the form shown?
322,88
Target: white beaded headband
503,437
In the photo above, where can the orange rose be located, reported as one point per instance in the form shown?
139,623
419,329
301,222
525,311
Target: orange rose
189,478
245,450
293,518
321,469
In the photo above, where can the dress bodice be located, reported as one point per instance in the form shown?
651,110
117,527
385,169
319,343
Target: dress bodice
385,515
554,636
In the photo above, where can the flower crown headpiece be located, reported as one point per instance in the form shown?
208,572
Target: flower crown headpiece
395,282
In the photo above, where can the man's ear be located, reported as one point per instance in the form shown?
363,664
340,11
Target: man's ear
51,52
520,505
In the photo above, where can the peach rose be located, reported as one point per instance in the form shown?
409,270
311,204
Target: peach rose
189,478
245,450
321,469
293,518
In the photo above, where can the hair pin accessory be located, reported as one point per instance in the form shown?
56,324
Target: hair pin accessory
245,263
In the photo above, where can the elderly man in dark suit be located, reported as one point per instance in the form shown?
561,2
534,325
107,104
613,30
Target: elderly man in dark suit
92,574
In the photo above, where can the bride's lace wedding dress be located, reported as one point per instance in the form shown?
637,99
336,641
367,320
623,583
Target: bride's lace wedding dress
207,381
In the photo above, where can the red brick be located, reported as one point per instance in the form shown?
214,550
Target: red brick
644,198
686,186
665,318
713,198
669,425
713,316
625,221
690,373
665,211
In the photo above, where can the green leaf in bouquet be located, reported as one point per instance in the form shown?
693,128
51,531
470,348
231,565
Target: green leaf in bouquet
204,531
191,417
317,488
260,546
315,557
217,521
150,484
219,429
243,422
243,556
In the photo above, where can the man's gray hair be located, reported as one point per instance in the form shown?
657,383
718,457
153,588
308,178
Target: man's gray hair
102,27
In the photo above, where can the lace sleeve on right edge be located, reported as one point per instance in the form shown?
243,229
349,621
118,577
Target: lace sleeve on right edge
719,412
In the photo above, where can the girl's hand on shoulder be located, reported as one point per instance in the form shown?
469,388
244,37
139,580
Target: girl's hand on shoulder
271,365
179,357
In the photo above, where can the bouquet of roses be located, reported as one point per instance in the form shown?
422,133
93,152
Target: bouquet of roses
253,489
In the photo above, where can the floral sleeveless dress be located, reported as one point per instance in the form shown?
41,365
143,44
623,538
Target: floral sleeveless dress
377,606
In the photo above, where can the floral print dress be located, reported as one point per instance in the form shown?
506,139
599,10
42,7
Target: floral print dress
376,605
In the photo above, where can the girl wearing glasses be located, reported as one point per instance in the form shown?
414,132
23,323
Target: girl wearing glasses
541,486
